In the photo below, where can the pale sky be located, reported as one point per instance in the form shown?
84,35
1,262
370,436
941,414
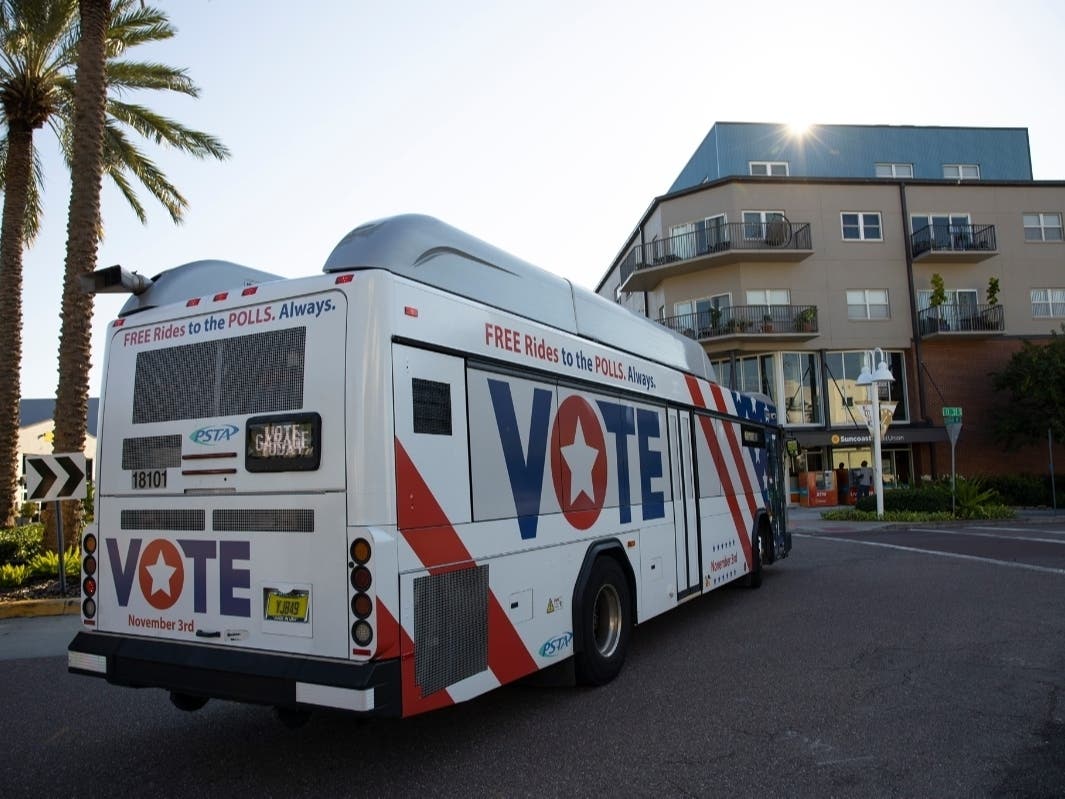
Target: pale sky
544,128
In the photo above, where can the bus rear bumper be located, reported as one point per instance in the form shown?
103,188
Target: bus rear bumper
286,681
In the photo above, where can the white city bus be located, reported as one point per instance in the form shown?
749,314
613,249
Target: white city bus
429,471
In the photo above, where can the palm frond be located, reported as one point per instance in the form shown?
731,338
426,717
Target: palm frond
121,156
133,23
147,75
162,130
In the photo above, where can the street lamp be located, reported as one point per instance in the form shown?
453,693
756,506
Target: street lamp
867,377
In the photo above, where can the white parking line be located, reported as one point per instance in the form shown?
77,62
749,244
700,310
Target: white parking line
1042,530
972,534
957,556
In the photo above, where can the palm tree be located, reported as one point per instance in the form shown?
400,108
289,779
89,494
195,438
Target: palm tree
39,44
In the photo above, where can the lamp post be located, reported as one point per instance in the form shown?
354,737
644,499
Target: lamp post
873,379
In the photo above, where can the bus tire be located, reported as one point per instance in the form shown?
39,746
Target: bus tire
187,702
754,576
604,625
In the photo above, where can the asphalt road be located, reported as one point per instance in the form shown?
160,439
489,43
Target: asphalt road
858,669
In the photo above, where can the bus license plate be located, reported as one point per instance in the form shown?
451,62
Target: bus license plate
149,478
290,606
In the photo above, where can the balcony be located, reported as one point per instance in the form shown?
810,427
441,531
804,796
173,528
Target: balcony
968,321
648,265
947,243
748,322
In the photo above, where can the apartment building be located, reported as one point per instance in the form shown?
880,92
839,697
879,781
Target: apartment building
789,255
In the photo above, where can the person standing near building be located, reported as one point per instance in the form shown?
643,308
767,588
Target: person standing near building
865,480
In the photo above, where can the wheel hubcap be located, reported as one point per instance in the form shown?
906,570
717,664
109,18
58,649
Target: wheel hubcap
606,620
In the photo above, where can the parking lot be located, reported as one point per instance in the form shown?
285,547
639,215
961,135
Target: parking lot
877,663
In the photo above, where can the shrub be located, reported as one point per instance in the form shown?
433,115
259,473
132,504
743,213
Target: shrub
970,498
20,544
46,564
912,500
1028,490
13,575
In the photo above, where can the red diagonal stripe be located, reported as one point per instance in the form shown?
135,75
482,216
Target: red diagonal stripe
716,452
439,548
737,452
423,522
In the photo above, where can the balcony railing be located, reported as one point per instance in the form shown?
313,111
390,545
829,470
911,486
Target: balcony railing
976,239
730,237
961,319
746,319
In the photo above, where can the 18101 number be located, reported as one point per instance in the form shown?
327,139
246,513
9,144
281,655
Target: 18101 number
149,478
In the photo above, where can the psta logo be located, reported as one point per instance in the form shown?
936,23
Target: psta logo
556,645
214,435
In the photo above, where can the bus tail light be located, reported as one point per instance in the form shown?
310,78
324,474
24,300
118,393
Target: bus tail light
361,605
88,584
362,600
362,632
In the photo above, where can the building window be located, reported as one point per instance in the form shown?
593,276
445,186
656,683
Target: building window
1042,227
961,171
757,225
861,226
894,170
949,230
682,241
843,391
802,393
1048,303
774,168
964,300
867,304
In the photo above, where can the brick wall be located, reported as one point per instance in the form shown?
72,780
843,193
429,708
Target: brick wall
959,369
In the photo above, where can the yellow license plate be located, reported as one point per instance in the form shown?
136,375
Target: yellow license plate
290,606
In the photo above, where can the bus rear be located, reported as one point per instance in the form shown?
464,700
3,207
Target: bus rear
219,564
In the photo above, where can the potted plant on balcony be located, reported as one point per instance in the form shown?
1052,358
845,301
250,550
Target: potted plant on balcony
939,296
992,314
806,320
992,292
767,323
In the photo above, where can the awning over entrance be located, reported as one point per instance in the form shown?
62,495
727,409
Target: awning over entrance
859,437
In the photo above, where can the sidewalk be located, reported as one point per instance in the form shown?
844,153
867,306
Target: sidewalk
808,520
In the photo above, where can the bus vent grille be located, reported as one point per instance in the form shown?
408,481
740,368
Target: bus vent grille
164,520
283,520
257,373
151,452
450,627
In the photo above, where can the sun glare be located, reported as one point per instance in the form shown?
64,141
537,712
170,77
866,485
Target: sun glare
799,129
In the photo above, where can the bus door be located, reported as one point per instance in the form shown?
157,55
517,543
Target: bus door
776,489
685,516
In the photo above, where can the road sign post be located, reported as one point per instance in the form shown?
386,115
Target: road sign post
952,421
52,478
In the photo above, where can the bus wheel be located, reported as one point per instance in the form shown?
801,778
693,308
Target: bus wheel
754,576
187,702
604,625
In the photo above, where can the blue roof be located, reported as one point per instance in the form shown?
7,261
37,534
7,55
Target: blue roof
32,411
852,151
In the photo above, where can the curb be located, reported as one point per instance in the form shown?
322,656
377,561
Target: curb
40,607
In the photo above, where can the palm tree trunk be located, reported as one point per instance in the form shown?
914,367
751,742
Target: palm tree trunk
16,192
83,226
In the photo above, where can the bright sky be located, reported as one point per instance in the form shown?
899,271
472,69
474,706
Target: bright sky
544,128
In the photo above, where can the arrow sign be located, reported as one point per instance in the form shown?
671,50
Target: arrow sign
52,477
